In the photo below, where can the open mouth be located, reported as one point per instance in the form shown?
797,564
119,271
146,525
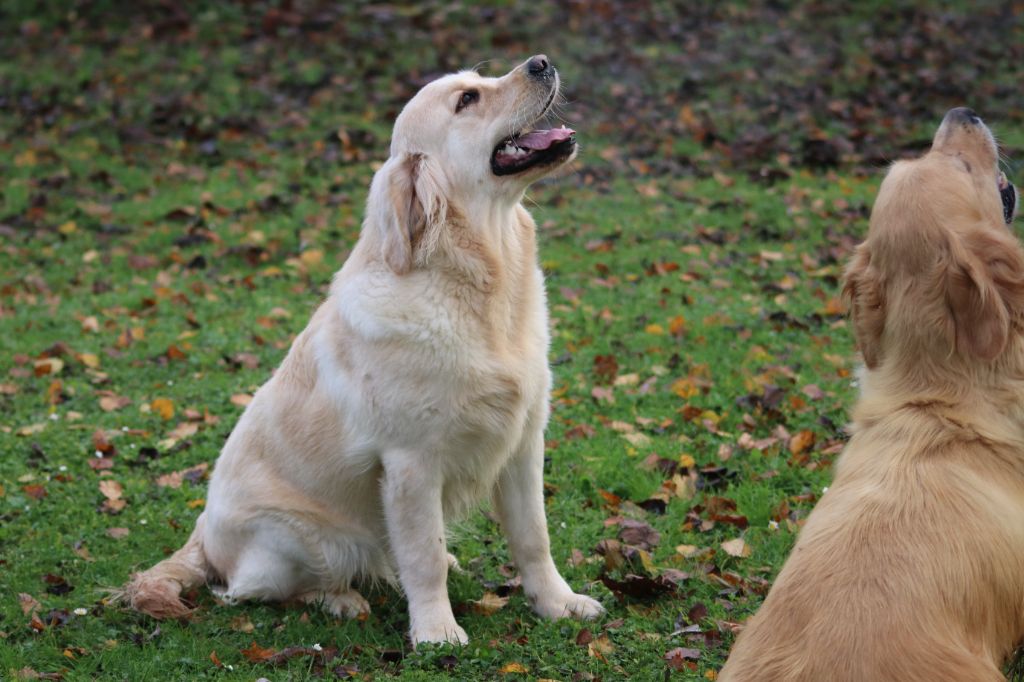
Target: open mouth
522,151
1008,193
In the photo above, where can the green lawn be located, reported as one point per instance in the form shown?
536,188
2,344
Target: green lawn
179,186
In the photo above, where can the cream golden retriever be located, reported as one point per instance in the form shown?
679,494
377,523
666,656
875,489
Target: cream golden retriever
911,567
419,387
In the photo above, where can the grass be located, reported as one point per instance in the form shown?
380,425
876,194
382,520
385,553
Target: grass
174,203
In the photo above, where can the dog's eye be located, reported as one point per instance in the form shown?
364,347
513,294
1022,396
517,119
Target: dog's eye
468,97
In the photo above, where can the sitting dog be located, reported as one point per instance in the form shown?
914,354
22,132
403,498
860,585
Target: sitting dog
419,387
911,567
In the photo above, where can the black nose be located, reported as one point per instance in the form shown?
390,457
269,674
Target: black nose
539,66
962,115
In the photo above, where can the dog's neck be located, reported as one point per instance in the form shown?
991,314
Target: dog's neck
491,217
989,398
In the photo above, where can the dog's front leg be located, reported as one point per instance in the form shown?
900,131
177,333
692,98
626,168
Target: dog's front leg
519,502
412,506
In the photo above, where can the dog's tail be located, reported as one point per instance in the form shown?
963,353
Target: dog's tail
157,592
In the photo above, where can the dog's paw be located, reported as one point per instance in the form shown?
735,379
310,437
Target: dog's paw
438,633
568,605
347,604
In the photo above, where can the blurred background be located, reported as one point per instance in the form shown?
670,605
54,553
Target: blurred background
653,87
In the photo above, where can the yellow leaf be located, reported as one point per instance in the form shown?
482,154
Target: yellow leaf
26,158
196,503
687,461
489,603
90,360
513,668
736,547
685,388
163,407
68,227
312,257
655,329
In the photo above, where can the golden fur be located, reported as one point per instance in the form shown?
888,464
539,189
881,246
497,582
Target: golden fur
419,387
911,567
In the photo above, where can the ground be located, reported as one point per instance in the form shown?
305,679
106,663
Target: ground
179,185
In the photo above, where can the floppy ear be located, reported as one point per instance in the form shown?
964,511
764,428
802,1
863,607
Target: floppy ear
862,290
406,199
985,291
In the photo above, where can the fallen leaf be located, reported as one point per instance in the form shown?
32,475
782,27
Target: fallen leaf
163,407
801,441
257,654
736,547
513,668
27,603
489,603
639,534
600,647
677,658
111,489
48,366
241,399
118,533
110,401
35,490
242,624
31,429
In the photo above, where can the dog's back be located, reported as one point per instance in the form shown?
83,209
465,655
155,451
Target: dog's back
911,567
907,570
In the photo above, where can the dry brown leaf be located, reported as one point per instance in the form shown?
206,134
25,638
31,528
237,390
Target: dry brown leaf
241,399
27,603
31,429
110,401
736,547
111,489
183,430
489,604
48,366
600,647
257,654
801,441
637,439
118,533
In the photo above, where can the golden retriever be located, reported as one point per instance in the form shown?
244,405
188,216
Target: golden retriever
419,387
911,567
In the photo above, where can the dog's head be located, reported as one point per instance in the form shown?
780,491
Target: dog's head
466,142
940,275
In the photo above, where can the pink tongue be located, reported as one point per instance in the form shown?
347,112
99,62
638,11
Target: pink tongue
542,139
